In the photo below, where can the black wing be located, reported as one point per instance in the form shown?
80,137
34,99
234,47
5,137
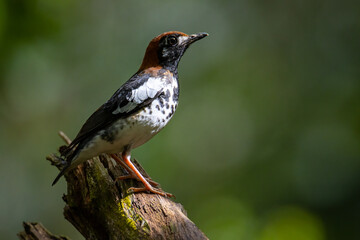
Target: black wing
139,91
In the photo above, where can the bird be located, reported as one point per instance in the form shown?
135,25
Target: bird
136,112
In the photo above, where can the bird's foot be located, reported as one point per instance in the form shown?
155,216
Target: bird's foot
153,190
134,173
133,176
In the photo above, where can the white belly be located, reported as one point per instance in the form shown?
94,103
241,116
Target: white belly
131,132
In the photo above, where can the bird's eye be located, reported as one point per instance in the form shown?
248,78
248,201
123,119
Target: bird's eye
172,40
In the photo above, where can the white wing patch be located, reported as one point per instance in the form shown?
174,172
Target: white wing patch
148,90
153,86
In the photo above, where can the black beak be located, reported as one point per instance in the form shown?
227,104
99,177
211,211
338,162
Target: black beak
194,37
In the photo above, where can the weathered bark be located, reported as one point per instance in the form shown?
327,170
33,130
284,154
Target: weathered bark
36,231
100,207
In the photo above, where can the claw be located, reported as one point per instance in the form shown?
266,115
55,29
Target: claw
145,189
133,176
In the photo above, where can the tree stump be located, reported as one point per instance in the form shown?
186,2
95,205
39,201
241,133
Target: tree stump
100,207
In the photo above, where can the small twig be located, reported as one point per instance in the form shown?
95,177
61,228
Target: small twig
64,137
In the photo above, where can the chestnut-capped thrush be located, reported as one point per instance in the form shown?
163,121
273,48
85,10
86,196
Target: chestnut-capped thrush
137,111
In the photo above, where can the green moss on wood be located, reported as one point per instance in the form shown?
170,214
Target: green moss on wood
101,199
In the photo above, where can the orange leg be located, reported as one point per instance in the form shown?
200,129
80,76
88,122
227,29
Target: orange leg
131,175
147,187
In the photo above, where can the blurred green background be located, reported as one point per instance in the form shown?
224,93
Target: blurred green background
265,144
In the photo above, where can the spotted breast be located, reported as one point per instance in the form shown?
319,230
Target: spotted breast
142,126
137,129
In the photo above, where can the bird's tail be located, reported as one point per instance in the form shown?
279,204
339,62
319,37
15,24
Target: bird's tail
69,153
66,166
62,172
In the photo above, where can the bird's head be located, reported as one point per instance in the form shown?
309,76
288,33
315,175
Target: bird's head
167,49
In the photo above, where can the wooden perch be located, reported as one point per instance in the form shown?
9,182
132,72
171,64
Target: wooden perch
101,208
